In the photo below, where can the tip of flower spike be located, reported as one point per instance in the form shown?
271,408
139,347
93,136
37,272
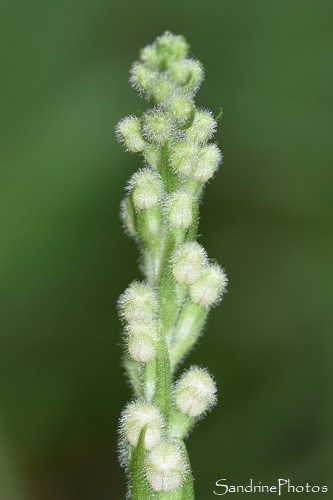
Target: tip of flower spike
172,46
136,416
210,285
146,188
165,467
166,49
195,392
138,303
187,262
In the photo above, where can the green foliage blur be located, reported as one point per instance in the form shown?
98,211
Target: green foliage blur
64,260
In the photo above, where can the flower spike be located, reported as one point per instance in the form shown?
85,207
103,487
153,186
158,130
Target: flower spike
164,315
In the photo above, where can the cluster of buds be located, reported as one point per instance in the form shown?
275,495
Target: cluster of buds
164,315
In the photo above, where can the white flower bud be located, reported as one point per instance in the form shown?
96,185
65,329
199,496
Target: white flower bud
209,286
179,210
146,188
138,303
183,157
129,132
142,348
135,417
207,164
157,127
143,78
182,109
187,262
202,128
195,392
142,340
165,467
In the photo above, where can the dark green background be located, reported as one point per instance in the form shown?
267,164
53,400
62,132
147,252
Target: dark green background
266,217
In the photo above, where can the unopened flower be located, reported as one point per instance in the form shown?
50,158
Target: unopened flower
188,262
142,340
143,78
195,392
208,161
129,132
138,303
135,417
183,157
182,109
209,287
179,210
165,468
145,187
187,73
202,128
157,126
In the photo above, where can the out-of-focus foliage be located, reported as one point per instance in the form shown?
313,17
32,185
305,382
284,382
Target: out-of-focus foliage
64,259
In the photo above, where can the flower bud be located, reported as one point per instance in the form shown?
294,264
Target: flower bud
143,78
163,91
165,467
152,155
172,46
138,303
187,262
196,73
187,73
179,210
202,128
142,348
157,127
209,286
166,49
142,340
208,162
146,188
195,392
183,157
135,417
182,109
149,55
129,132
180,73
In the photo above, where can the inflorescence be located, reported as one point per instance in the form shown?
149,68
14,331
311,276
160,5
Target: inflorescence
165,314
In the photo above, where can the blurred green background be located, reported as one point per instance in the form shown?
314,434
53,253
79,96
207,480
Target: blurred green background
267,218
